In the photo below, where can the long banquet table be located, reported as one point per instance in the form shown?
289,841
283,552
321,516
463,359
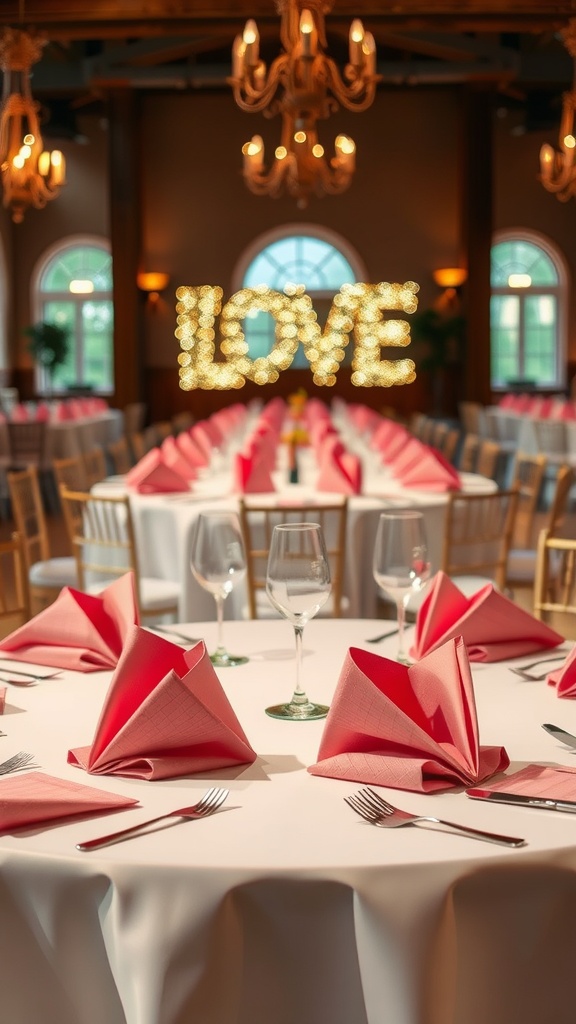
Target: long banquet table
285,907
163,525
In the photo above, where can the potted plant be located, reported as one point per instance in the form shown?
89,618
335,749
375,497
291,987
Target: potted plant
49,345
439,337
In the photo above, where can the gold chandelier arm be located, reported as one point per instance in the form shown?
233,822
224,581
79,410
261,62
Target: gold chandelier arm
359,94
255,98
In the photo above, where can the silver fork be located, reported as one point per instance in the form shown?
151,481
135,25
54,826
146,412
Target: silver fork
377,811
524,673
209,803
17,762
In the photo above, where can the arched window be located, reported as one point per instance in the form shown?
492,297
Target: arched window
527,312
72,287
296,254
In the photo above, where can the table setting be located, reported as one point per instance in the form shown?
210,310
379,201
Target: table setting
124,756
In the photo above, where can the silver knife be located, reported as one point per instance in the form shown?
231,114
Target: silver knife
523,801
560,734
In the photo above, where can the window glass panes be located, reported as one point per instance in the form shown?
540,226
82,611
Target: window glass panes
295,259
525,316
88,316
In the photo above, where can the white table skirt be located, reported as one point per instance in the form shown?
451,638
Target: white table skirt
70,438
164,523
285,908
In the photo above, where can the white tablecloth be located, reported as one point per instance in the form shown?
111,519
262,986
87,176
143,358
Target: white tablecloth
164,523
70,438
285,907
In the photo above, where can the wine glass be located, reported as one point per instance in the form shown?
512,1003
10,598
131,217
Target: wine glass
401,566
218,562
298,584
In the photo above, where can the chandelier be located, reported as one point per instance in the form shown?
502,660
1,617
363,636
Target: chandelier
303,85
30,175
558,166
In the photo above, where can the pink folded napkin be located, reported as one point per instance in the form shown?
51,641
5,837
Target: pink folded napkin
492,626
429,472
78,631
564,678
190,450
252,475
556,782
340,471
151,475
409,728
165,715
173,457
35,798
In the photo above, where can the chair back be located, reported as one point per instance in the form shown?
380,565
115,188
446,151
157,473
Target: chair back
469,453
101,533
134,416
71,472
14,602
26,443
528,476
565,480
555,582
95,466
120,454
29,516
258,521
478,534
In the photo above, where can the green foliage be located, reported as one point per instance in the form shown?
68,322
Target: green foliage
440,338
49,344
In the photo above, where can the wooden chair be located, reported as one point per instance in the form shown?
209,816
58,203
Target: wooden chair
134,417
438,435
181,421
71,472
45,575
95,466
469,453
27,444
120,455
555,583
477,537
258,521
101,533
487,459
449,447
528,474
14,606
137,445
521,569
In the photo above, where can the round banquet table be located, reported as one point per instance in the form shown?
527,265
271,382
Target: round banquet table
285,907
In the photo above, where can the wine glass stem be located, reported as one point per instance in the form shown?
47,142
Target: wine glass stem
401,613
299,696
220,649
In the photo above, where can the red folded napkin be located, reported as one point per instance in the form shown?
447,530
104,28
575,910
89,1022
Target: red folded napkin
252,475
406,727
430,472
340,471
34,798
492,626
190,450
564,678
78,631
165,715
151,475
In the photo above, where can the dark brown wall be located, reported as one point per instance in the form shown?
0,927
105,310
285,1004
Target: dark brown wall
402,214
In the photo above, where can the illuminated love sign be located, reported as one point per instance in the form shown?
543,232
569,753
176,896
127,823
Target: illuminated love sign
357,309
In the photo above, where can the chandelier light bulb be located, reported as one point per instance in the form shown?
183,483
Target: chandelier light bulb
557,166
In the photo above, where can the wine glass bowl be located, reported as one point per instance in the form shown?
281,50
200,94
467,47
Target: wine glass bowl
400,565
218,563
298,584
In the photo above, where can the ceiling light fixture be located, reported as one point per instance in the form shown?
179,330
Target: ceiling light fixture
558,166
30,174
303,85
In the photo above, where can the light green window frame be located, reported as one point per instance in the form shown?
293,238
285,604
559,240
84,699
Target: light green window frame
89,317
296,254
528,313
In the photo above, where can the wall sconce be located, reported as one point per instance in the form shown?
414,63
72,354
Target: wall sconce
450,279
152,283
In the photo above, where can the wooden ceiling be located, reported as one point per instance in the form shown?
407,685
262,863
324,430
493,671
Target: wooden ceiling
176,44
